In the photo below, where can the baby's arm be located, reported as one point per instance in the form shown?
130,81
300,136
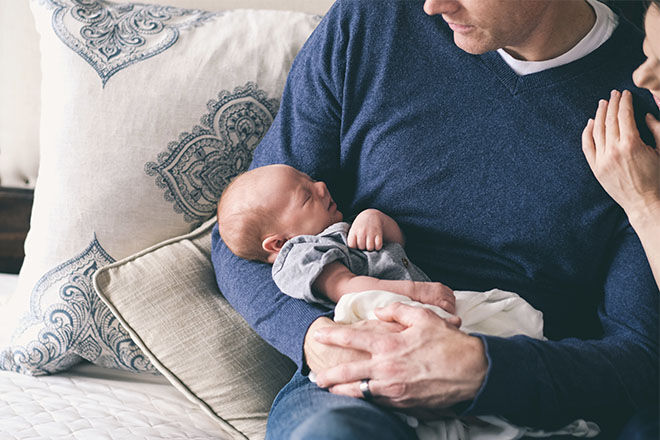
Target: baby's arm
371,228
336,281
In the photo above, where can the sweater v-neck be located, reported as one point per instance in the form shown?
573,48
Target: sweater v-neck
610,51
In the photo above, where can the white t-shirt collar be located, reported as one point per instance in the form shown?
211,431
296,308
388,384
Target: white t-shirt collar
606,22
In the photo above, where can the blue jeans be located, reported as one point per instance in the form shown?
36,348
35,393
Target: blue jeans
645,425
304,411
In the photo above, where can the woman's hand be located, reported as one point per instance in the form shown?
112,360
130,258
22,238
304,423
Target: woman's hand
627,168
429,365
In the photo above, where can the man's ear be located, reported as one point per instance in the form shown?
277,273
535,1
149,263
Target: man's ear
273,244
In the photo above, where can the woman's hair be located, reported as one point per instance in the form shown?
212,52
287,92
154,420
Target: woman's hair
632,10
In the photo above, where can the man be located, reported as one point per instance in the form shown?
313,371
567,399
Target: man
461,120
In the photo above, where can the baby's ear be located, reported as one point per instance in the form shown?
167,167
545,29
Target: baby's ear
273,245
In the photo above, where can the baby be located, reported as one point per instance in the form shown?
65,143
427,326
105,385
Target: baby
279,215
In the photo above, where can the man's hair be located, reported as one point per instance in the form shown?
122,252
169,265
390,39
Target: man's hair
244,225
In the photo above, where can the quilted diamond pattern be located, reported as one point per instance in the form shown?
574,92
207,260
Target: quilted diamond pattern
91,402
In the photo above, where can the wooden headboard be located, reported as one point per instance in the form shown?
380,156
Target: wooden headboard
15,209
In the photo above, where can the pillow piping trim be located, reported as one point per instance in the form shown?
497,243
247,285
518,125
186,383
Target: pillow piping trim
171,377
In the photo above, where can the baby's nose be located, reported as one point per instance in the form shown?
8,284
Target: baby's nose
321,189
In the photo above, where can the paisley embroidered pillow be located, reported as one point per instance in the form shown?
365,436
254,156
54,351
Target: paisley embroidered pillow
147,112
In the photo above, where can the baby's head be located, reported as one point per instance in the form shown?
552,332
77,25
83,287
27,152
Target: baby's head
263,208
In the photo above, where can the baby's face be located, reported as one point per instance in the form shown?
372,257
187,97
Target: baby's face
303,205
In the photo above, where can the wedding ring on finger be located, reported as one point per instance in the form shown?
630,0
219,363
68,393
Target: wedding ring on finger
364,388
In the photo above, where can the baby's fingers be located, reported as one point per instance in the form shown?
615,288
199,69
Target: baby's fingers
362,241
374,241
352,238
378,242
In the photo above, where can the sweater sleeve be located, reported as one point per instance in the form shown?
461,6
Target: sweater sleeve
305,135
603,380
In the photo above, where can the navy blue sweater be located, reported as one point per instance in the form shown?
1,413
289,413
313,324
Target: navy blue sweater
484,172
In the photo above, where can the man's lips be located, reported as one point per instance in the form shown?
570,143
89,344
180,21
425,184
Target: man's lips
460,28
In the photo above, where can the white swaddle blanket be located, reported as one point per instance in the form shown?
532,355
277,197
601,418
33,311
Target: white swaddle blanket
497,313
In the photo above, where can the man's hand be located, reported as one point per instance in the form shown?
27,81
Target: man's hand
371,228
428,365
321,357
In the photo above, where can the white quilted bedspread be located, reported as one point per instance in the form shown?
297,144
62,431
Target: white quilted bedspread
91,402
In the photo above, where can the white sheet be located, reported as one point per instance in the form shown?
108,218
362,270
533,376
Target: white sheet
91,402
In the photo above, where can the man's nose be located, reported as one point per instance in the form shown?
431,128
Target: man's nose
436,7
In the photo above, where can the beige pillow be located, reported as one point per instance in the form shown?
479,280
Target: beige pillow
167,298
147,112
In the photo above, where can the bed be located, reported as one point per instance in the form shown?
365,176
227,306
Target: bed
89,401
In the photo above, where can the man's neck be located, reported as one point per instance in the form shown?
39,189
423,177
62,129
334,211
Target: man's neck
563,26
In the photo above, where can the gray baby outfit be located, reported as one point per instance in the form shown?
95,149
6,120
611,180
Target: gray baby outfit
302,259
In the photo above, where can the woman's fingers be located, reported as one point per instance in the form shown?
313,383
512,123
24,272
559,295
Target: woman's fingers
654,126
588,145
612,119
599,125
626,117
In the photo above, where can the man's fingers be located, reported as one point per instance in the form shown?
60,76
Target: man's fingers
344,374
455,321
588,145
404,314
347,389
599,125
612,118
347,337
353,390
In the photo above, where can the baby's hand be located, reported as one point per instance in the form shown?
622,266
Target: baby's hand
433,293
366,232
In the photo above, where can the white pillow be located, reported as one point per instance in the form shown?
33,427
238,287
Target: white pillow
147,112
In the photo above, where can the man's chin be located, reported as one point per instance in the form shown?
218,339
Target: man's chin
471,46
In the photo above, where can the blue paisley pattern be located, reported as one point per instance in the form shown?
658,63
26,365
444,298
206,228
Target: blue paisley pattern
79,327
112,36
196,168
